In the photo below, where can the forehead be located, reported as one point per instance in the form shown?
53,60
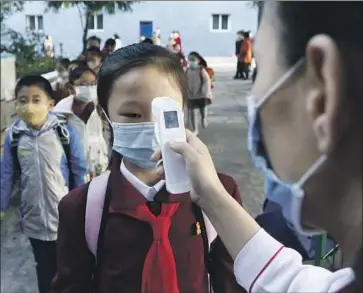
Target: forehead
142,85
31,91
87,76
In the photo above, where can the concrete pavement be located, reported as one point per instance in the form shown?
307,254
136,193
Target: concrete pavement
226,136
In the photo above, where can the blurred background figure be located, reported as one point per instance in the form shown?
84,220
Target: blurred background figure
94,58
157,37
48,47
110,46
237,52
93,41
118,41
61,67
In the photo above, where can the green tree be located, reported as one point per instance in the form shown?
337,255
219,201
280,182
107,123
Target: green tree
88,8
7,8
259,5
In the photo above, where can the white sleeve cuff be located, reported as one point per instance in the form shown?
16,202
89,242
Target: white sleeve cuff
254,258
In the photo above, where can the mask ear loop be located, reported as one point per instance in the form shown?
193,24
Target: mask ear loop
311,170
108,119
280,82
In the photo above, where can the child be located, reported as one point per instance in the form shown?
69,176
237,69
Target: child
92,41
94,58
136,204
109,47
62,70
74,64
47,157
200,88
80,111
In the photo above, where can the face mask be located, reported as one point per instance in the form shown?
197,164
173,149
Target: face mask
86,94
193,64
92,65
136,142
33,115
291,195
63,74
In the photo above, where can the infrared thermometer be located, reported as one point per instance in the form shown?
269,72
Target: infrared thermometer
169,126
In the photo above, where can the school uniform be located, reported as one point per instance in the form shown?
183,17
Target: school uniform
265,265
126,261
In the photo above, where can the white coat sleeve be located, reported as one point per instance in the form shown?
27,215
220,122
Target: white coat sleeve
265,265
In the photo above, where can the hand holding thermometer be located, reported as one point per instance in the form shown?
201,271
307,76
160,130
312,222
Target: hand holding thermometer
169,126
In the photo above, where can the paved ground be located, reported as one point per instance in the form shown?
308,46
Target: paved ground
226,137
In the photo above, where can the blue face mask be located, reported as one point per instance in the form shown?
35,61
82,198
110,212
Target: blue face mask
193,64
136,142
288,195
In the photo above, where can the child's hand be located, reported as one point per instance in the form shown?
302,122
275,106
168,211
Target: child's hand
2,215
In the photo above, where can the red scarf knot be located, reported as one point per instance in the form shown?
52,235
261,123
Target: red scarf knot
159,272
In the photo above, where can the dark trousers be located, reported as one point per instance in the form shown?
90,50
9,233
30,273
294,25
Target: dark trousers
46,262
239,70
245,70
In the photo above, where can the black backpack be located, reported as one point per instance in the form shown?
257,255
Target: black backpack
65,144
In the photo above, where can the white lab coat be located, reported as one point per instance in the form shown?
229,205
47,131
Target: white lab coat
265,265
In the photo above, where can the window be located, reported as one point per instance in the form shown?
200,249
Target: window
95,22
220,22
35,22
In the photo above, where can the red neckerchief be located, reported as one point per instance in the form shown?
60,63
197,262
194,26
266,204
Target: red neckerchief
159,271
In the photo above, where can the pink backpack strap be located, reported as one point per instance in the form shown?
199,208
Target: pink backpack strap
94,209
211,232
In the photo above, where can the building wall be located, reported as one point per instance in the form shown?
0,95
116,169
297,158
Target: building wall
191,18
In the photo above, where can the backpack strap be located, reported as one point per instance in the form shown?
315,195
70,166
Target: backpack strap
63,136
94,210
14,144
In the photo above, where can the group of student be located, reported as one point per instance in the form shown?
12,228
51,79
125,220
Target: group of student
123,232
85,125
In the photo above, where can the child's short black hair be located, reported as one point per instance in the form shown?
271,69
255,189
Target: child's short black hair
148,40
78,62
202,61
110,43
77,73
94,38
35,80
137,56
64,62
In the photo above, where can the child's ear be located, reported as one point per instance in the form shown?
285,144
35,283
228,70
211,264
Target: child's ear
51,103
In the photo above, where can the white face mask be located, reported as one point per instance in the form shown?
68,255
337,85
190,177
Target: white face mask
86,93
92,65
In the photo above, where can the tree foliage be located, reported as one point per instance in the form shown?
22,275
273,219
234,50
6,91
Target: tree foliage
88,8
8,7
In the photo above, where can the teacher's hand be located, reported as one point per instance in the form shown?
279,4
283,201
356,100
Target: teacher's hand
200,168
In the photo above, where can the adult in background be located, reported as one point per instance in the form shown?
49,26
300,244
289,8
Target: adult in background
237,53
92,42
110,46
48,47
157,37
305,133
246,55
118,42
